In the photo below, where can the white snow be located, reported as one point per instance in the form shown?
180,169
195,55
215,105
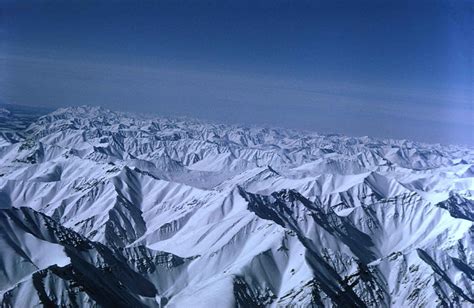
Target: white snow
226,215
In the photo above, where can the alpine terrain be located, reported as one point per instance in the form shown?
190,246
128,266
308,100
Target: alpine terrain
108,209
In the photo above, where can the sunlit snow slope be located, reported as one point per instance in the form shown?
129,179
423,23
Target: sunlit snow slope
99,208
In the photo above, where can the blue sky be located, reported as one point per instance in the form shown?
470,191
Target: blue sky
400,69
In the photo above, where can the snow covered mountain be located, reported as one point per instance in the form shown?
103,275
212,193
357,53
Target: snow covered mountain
101,208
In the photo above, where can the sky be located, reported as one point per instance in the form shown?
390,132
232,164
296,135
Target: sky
387,69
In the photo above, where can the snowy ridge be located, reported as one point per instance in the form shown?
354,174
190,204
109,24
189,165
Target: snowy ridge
183,213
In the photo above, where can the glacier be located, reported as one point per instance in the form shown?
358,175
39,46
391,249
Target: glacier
100,208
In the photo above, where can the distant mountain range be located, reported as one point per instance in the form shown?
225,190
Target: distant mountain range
109,209
18,117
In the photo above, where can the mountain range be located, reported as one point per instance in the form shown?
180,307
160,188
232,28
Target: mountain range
108,209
